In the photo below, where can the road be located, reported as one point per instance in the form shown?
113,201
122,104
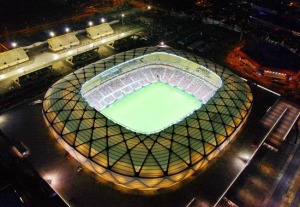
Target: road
284,183
268,177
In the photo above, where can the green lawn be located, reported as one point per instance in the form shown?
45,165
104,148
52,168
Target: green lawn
152,108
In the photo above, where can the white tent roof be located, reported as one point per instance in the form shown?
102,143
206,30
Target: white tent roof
63,41
12,57
100,30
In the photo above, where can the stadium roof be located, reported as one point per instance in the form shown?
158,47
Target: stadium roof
98,31
136,160
12,57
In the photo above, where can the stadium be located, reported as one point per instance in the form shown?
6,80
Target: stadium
83,111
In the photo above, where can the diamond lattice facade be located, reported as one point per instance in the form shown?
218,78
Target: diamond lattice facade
139,161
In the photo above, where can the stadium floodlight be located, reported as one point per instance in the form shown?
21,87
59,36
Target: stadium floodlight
52,34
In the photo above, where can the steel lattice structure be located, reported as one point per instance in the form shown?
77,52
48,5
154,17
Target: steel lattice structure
138,161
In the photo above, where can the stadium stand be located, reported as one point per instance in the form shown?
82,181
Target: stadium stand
136,75
126,80
194,86
173,80
127,89
105,90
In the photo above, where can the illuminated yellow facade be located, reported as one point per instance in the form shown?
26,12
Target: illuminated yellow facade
138,161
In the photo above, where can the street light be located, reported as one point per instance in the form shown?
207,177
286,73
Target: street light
102,20
123,18
67,29
90,23
52,34
148,7
14,44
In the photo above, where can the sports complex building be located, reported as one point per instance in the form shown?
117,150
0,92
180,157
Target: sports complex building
147,118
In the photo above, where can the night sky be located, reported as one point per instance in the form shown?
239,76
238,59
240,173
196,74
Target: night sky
14,13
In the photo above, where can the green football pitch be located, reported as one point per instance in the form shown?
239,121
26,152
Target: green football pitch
152,108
